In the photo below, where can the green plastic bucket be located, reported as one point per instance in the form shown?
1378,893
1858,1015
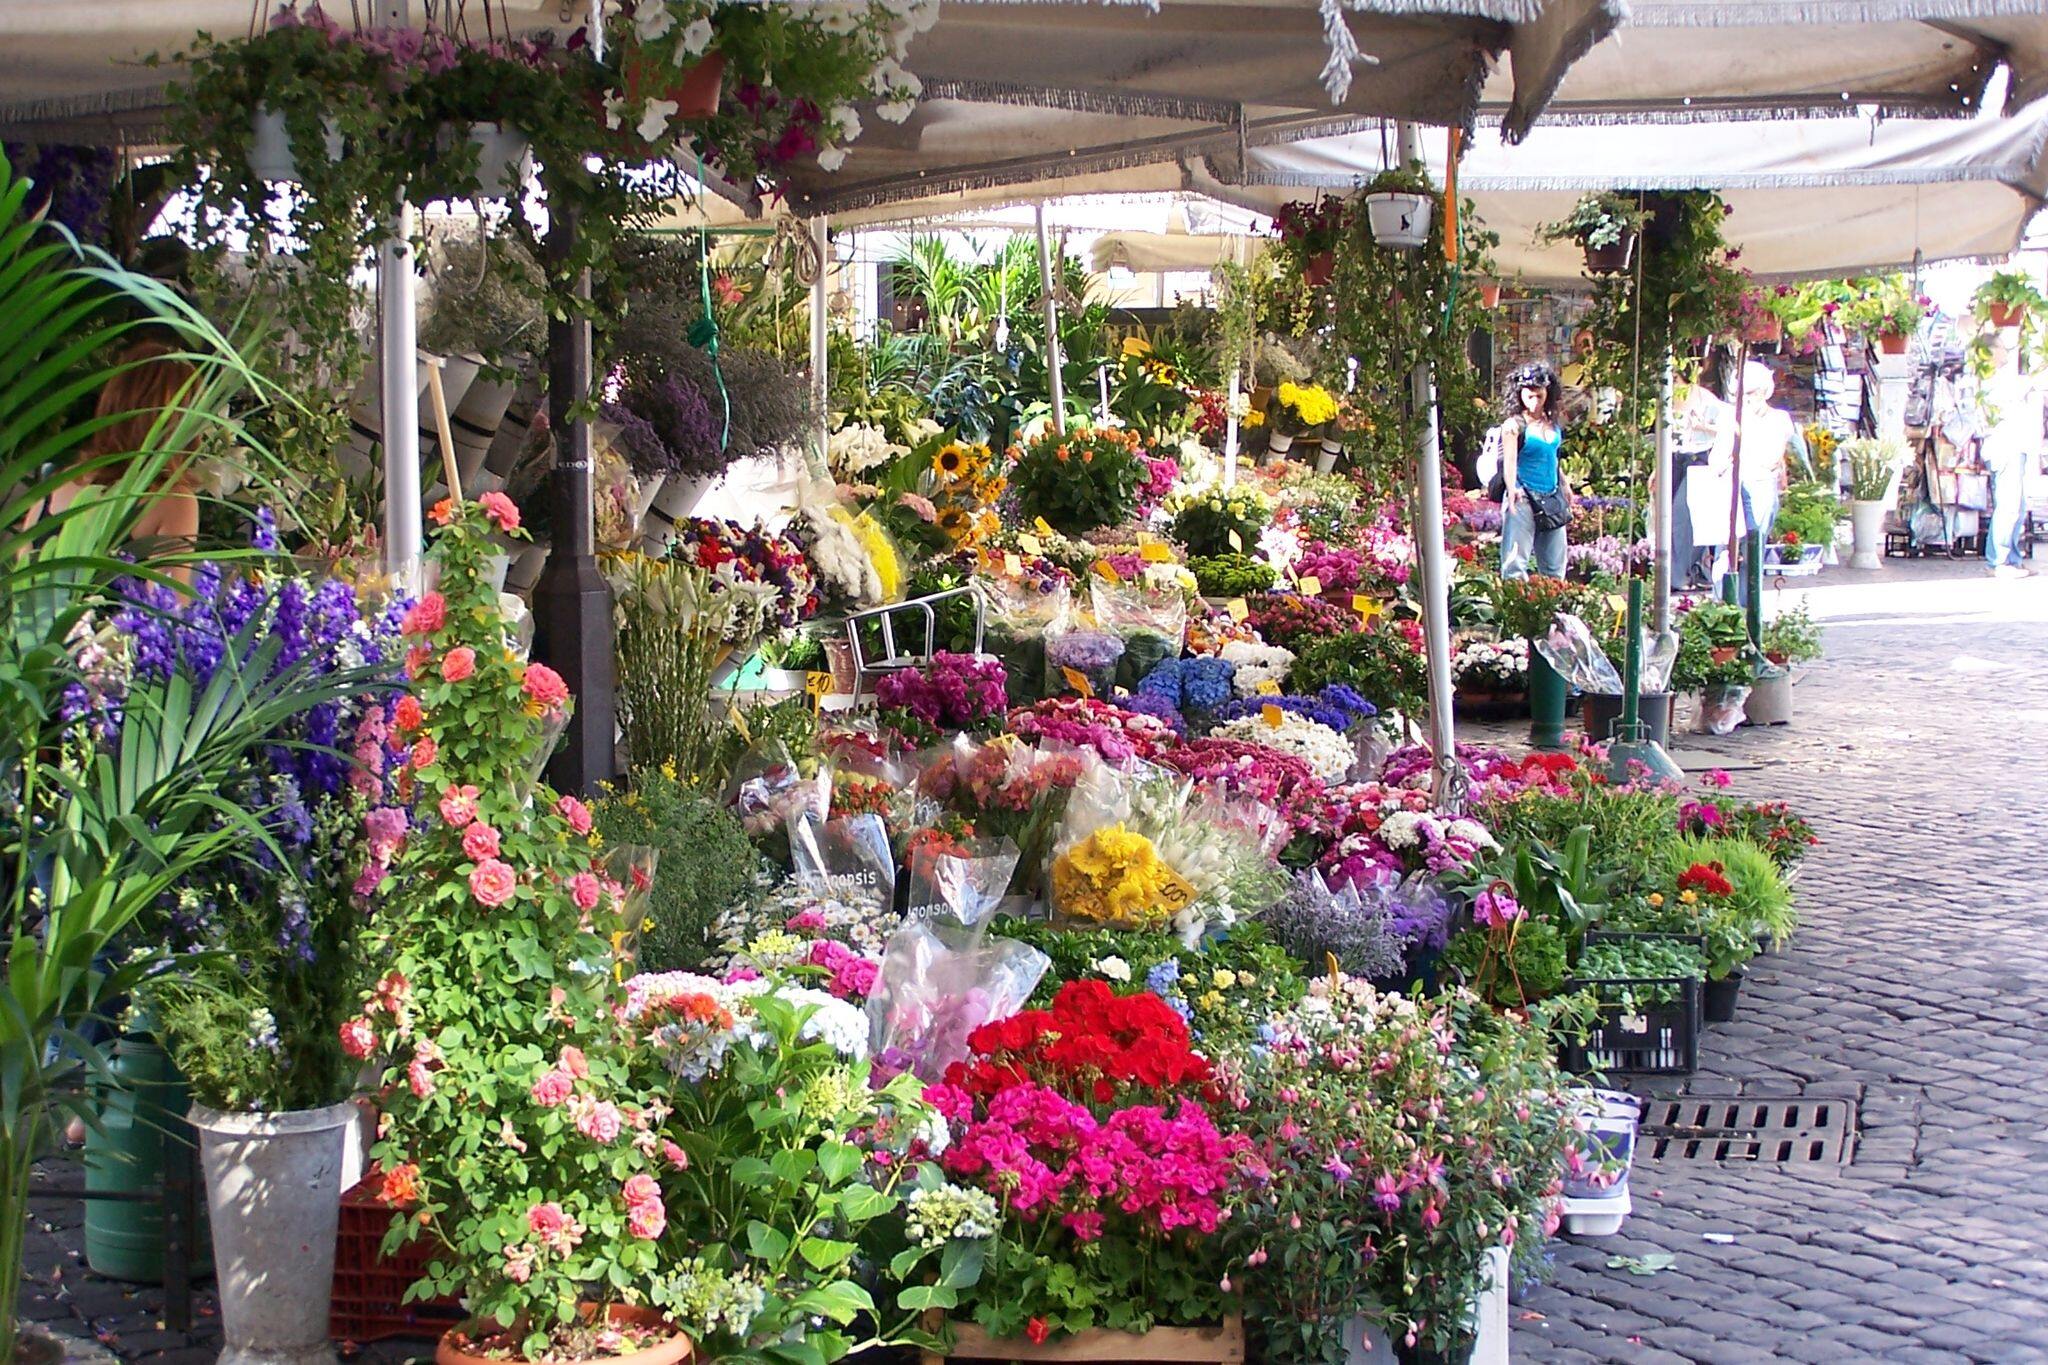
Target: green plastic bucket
142,1121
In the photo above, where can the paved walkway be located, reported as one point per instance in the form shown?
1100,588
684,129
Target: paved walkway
1917,986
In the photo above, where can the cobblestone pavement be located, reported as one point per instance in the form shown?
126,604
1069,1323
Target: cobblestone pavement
1917,987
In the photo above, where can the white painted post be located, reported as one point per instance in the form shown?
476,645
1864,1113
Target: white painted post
1056,381
821,378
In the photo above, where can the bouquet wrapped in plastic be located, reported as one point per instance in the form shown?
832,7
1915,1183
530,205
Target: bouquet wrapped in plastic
936,987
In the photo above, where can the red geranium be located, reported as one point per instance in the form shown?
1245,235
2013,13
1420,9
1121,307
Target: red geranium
1708,878
1091,1043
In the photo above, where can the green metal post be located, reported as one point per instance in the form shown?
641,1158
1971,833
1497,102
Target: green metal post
1753,575
1632,662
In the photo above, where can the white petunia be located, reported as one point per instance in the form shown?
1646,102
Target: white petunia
696,37
652,19
845,122
1114,968
831,158
654,119
895,111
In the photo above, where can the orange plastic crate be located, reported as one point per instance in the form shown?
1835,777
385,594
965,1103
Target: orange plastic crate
369,1287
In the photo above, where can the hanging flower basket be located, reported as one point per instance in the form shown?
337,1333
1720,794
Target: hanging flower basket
271,154
2003,314
1321,266
697,92
1613,258
1398,219
1489,296
1891,343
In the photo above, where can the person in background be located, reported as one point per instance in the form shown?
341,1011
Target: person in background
152,381
1536,504
2011,404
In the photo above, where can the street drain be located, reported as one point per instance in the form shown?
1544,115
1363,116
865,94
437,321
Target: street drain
1789,1131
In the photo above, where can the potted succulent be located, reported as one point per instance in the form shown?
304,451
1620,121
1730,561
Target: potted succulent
1605,224
1873,463
2009,299
1309,233
1397,207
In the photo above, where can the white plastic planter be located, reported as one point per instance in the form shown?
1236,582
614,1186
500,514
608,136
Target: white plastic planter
273,1195
271,154
1398,219
1365,1343
1279,443
476,420
504,159
1326,457
1867,519
678,498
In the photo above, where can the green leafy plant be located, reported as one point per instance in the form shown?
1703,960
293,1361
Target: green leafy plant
1600,218
706,862
1873,462
1084,479
1380,664
1626,968
2010,292
1806,516
1230,575
1510,968
1792,637
1218,521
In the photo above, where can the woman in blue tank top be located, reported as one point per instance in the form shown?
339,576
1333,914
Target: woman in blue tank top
1537,502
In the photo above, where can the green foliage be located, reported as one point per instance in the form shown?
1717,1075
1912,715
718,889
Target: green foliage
1808,511
1872,462
1379,663
706,862
1629,830
1230,575
1600,218
1076,482
1762,903
1713,648
1792,636
1219,521
1640,958
1510,968
2010,289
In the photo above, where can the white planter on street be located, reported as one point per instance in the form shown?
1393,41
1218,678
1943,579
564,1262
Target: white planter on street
273,1195
1398,219
1366,1343
504,159
1326,457
1868,520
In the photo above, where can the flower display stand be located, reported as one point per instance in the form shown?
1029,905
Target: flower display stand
1222,1344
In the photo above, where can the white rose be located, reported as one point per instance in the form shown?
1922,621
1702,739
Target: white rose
1114,968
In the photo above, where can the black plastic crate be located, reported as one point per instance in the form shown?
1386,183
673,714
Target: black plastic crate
1660,1040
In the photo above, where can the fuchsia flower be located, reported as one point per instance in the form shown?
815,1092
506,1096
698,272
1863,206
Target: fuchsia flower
425,616
385,827
1496,907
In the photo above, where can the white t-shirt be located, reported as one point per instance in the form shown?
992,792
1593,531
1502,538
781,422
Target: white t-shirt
2012,404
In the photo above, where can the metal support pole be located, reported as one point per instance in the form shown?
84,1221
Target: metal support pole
1661,511
1052,328
572,604
399,404
1447,782
821,375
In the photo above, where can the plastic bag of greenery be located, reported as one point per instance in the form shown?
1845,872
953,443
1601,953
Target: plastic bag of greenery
768,789
1077,656
1132,608
848,858
937,986
1017,618
958,882
705,863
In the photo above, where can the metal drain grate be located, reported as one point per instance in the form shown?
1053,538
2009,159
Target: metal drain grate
1759,1128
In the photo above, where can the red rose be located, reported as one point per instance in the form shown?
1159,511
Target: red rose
443,511
425,752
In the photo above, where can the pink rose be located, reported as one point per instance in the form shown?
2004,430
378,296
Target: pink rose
600,1122
645,1219
493,882
479,842
573,1062
674,1155
385,826
460,664
553,1089
575,812
519,1263
500,509
585,891
544,687
358,1038
458,806
420,1077
553,1226
371,878
426,616
425,752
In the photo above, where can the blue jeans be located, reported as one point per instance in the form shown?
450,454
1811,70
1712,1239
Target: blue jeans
1519,538
2008,515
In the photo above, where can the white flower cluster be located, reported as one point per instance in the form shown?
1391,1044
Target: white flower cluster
949,1212
856,448
1328,753
1500,661
1257,664
1416,829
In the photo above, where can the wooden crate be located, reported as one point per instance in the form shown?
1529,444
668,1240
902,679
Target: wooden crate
1219,1345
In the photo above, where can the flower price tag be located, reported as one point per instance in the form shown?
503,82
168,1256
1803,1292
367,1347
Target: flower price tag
1237,542
1238,610
1078,680
1044,527
1108,571
1311,586
1155,553
1368,608
1012,565
818,684
1031,545
1272,715
1268,688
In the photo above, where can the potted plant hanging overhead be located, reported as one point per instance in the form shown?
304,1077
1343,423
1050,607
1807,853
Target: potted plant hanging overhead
1605,224
1888,309
1308,237
1397,207
2009,299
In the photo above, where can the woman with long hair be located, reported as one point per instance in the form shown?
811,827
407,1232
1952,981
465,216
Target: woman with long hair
144,398
1536,501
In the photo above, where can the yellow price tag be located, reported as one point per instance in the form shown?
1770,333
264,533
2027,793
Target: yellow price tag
1155,553
1362,604
1268,688
1031,545
1012,565
1272,714
1078,680
1311,586
1044,527
1237,609
818,684
1108,571
1237,542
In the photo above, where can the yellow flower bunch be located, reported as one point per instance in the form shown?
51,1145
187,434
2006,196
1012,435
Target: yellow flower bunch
1114,876
1312,404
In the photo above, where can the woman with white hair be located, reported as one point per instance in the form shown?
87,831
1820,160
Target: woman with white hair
1770,441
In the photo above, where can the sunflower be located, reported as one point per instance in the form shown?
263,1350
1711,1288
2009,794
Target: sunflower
950,460
955,522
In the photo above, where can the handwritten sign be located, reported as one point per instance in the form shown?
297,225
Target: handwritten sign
1237,609
1311,586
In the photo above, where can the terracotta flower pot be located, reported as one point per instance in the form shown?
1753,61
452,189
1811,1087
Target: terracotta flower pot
456,1348
2003,314
1489,296
1320,268
1611,259
697,91
1891,343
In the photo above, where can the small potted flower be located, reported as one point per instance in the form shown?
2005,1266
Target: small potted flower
1086,478
1873,463
1397,207
1299,410
1605,224
1309,234
1888,310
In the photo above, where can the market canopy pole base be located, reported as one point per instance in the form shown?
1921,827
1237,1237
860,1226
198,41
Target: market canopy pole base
1632,747
1053,358
572,604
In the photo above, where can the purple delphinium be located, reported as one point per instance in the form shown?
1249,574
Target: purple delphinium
1338,707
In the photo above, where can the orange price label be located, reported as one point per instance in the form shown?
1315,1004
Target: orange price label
818,684
1078,680
1272,714
1108,571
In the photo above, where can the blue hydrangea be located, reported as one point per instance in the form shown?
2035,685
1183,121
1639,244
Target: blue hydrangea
1164,681
1205,683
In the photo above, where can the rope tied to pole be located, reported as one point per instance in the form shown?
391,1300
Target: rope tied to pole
703,333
